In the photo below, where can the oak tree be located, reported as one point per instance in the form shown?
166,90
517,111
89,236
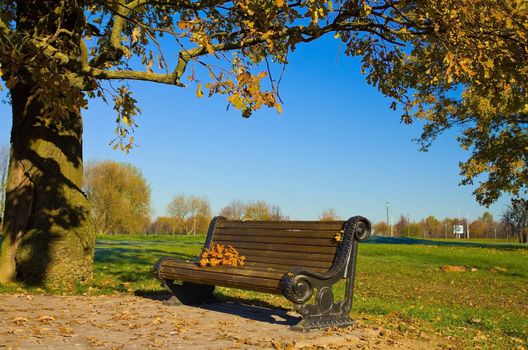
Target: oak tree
448,63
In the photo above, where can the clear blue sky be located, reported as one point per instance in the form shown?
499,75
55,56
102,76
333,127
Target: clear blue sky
336,144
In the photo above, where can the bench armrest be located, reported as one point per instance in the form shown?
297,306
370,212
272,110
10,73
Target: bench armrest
299,283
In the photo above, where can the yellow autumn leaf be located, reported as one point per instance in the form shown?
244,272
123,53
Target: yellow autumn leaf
135,35
199,91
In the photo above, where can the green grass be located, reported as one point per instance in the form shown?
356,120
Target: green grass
400,286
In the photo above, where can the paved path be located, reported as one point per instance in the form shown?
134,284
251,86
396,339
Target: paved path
128,322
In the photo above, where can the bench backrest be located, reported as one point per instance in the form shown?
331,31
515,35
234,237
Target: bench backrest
280,245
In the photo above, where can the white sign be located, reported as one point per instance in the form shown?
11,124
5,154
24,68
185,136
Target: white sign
458,229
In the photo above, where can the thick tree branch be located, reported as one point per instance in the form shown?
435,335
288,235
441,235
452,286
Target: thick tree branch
187,55
171,79
115,51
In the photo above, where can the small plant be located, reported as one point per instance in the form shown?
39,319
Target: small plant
218,254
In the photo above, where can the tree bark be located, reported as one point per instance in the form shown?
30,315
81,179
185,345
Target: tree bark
48,230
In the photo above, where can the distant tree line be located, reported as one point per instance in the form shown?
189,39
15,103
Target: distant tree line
187,215
120,199
513,224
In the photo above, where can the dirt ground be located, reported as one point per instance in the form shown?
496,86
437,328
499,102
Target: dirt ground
128,322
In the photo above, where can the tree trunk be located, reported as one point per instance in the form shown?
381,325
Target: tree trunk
48,230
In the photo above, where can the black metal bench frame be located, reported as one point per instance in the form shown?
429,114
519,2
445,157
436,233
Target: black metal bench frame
299,284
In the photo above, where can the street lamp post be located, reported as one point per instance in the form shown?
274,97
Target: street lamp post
408,225
388,223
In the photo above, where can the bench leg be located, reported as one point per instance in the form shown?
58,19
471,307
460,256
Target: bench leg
172,301
324,313
189,293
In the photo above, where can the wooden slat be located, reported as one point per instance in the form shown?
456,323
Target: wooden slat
329,234
229,284
208,276
272,247
278,225
250,253
289,262
282,268
320,242
171,265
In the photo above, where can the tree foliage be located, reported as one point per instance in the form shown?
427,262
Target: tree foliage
119,197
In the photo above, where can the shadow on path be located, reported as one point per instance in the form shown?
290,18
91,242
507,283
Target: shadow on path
261,311
253,312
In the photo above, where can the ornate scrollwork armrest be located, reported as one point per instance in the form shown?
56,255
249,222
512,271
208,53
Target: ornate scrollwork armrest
298,284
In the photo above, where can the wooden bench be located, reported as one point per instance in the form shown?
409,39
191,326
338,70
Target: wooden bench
301,260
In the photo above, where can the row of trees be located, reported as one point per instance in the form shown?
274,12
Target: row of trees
187,215
122,206
120,200
192,214
513,224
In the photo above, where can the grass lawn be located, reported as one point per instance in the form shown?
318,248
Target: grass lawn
404,286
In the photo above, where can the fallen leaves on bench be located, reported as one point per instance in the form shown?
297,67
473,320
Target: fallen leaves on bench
339,236
221,255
